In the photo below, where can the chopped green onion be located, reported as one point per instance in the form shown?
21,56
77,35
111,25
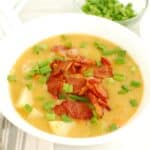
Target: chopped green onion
119,77
79,98
28,108
48,105
83,44
124,89
133,102
66,118
67,88
50,116
94,120
42,79
88,73
113,127
100,46
68,45
135,83
98,63
45,70
39,47
29,86
121,53
44,63
11,78
108,52
120,60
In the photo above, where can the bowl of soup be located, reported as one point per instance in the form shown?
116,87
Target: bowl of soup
73,79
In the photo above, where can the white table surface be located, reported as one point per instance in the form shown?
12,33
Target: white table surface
14,139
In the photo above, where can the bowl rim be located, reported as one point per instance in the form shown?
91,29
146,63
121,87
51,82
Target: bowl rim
65,140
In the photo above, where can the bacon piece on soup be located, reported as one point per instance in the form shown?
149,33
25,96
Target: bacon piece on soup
54,86
76,110
105,70
78,84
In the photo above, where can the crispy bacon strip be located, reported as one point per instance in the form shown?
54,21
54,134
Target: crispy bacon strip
76,110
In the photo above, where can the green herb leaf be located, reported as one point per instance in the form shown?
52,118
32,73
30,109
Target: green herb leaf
88,73
119,77
48,105
67,88
120,60
66,118
135,84
113,127
124,89
133,103
50,116
79,98
28,108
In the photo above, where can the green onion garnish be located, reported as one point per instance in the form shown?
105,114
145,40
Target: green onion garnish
88,73
120,60
79,98
48,105
67,88
66,118
133,102
119,77
94,120
39,47
124,89
113,127
50,116
135,83
28,108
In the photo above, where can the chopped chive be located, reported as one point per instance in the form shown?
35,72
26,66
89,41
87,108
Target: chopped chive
29,86
68,45
42,79
113,127
67,88
28,108
98,63
135,83
88,73
39,47
100,46
83,44
48,105
119,77
121,53
11,78
120,60
108,52
124,89
66,118
50,116
79,98
94,120
133,102
45,70
43,63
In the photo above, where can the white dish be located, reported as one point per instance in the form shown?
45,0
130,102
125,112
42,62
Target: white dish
31,32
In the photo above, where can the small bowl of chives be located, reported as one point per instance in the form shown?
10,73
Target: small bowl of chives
125,12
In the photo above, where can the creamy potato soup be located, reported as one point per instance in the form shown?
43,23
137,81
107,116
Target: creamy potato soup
76,85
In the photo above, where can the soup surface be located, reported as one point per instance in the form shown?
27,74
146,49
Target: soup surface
76,85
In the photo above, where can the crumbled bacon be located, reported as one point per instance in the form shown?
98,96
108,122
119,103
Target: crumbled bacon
76,110
71,71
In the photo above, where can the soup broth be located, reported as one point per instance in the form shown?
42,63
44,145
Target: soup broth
46,91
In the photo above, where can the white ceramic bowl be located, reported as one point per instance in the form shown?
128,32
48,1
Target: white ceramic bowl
30,33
